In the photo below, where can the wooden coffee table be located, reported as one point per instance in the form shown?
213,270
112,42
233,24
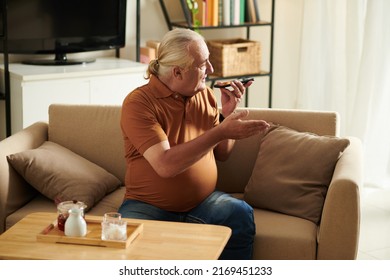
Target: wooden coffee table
158,240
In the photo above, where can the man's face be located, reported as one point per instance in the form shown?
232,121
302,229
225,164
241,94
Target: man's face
194,78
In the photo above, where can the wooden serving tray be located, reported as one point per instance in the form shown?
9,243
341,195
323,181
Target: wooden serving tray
93,238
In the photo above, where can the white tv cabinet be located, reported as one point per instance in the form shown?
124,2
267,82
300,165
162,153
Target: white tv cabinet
33,88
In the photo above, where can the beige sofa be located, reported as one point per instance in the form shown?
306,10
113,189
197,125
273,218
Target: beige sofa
94,133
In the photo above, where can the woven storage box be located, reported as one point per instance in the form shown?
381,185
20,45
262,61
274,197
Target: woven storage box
235,57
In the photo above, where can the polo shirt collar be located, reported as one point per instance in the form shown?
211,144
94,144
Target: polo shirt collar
159,89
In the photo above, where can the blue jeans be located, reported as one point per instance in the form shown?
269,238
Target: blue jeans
218,209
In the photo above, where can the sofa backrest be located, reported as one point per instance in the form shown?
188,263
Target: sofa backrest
234,174
92,131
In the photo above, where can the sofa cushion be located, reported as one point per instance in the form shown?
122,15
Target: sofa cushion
282,237
293,171
40,203
62,175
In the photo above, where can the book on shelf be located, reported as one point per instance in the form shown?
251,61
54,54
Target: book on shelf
226,11
252,14
220,12
213,11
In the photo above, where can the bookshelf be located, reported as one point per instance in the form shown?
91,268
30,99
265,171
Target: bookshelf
187,23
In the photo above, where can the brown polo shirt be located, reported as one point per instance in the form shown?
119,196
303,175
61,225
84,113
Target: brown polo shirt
151,114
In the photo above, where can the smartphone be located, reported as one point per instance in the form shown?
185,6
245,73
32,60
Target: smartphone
226,84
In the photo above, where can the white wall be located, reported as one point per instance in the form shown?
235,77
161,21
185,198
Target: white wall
287,39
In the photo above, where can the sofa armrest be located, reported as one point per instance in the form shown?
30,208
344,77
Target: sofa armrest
338,235
14,191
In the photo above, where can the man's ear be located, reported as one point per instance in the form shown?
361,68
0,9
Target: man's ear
177,72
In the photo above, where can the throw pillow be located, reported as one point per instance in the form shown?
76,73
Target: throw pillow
292,172
62,175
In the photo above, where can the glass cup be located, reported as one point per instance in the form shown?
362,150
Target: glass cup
113,227
114,231
63,211
112,217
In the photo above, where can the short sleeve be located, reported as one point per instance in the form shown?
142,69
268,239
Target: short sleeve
139,123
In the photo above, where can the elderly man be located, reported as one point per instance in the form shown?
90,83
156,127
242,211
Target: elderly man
173,134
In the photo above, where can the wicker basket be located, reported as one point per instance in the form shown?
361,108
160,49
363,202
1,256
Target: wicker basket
235,57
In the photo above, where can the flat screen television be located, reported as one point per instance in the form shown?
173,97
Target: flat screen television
61,27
